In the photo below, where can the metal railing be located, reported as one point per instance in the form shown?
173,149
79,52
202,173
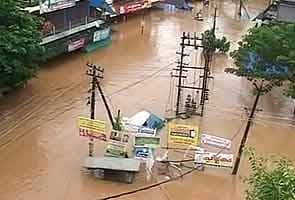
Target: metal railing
70,25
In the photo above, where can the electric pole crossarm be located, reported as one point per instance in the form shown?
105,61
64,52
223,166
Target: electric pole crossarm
192,45
192,67
190,87
184,54
177,69
177,76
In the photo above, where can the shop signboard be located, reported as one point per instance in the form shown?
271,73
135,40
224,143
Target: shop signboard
215,141
119,136
77,44
53,5
183,134
214,159
142,153
146,141
132,7
116,150
101,34
92,128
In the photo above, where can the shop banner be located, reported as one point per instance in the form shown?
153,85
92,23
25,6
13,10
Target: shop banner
132,7
119,136
183,134
116,150
146,141
53,5
92,128
101,34
215,141
214,159
76,44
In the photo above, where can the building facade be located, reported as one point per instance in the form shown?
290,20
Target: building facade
69,25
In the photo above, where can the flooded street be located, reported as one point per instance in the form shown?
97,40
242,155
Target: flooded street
40,147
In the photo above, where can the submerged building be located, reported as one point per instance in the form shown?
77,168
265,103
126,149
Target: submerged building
280,10
69,25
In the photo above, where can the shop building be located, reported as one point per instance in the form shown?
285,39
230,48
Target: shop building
69,25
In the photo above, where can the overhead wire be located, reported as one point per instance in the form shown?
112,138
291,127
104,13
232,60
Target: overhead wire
142,80
147,187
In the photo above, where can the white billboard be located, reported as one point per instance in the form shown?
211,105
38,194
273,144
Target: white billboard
53,5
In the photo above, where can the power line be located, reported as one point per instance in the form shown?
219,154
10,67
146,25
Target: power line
142,80
147,187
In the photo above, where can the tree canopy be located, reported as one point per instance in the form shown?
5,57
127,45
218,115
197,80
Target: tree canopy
267,53
212,43
270,179
20,38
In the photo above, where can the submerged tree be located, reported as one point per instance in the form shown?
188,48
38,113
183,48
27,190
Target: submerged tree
266,58
20,38
210,42
270,179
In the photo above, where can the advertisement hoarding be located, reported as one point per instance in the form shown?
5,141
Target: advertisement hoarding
146,141
101,34
215,141
183,134
119,136
214,159
116,150
132,7
74,45
92,128
53,5
142,153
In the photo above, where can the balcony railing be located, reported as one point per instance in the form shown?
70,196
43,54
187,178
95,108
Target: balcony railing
52,29
71,28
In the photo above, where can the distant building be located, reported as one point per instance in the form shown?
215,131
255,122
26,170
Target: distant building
280,10
286,11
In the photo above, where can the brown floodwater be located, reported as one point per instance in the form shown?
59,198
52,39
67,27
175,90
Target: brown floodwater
40,148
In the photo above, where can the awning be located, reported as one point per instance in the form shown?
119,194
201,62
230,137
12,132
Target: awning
102,5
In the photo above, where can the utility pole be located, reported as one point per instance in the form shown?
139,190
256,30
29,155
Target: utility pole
204,93
214,22
92,105
245,136
94,73
180,73
240,8
105,104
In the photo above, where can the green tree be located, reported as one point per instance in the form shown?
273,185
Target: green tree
270,179
211,43
20,38
266,58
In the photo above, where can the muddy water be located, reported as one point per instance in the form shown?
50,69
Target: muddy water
41,151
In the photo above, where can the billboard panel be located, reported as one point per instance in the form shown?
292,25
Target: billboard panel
92,128
183,134
53,5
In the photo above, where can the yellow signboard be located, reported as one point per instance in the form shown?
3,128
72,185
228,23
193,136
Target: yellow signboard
183,134
92,128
